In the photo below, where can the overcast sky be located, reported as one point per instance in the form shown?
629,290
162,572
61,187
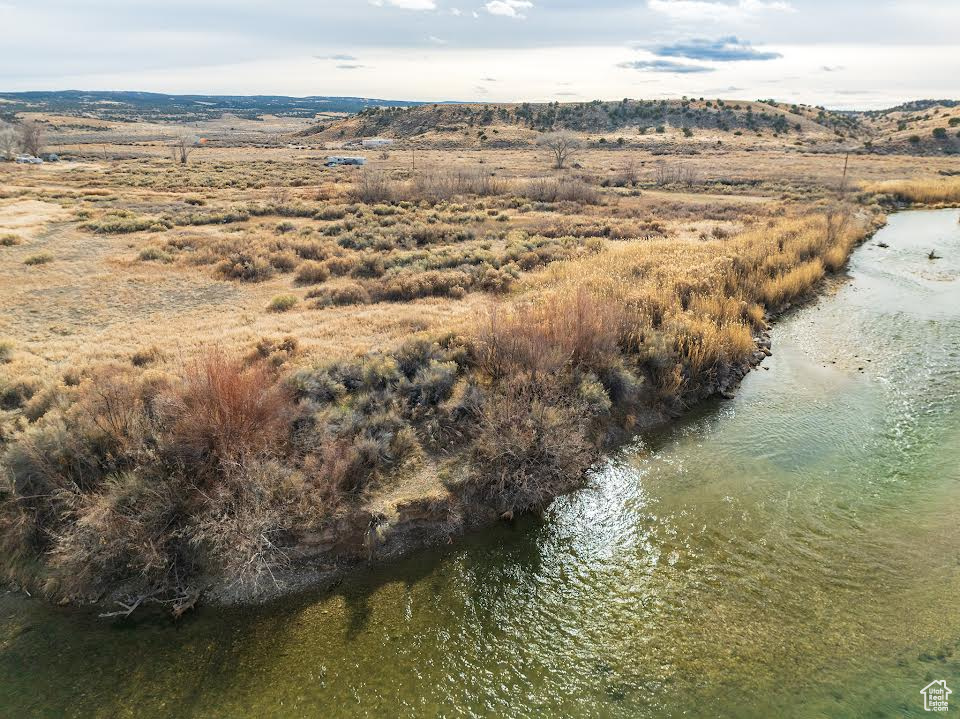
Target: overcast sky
842,53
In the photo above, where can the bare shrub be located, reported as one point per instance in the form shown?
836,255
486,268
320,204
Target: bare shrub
626,176
312,272
282,303
678,173
224,413
569,331
531,445
147,356
371,187
9,142
345,293
446,185
31,137
564,189
181,149
242,265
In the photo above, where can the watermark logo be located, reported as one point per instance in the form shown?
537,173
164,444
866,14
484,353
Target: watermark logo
936,696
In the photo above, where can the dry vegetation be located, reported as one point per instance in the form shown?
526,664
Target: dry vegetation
229,358
941,192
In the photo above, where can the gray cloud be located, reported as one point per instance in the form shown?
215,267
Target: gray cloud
236,45
350,67
663,66
724,49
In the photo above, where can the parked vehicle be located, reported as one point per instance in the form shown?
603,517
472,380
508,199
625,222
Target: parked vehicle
334,160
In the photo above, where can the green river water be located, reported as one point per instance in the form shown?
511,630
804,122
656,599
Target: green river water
794,552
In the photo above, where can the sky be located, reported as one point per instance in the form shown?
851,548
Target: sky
858,54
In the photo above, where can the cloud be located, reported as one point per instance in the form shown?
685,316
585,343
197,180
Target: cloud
407,4
508,8
350,67
663,66
437,40
832,68
342,57
724,49
455,12
489,79
701,10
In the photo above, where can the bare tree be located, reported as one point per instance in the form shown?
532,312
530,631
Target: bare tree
8,141
31,138
562,146
182,149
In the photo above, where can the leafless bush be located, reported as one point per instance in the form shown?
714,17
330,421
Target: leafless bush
371,187
626,176
226,413
573,332
181,149
9,141
564,189
446,185
679,173
531,445
31,137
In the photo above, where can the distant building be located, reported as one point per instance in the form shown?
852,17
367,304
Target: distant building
376,142
334,160
28,160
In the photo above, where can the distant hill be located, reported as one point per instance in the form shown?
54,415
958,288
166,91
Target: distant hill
504,122
672,123
916,106
132,106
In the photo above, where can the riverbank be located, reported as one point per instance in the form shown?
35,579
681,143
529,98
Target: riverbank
237,482
388,533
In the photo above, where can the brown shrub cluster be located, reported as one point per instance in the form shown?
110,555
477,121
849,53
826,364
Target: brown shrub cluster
144,481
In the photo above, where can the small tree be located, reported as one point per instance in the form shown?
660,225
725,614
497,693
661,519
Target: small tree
562,146
181,150
31,138
8,141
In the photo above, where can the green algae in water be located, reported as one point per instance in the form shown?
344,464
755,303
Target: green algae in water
794,552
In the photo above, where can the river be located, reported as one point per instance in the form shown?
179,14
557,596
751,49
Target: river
793,552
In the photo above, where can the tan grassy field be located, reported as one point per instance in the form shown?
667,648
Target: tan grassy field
286,352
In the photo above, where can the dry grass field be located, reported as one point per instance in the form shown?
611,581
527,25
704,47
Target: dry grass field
205,364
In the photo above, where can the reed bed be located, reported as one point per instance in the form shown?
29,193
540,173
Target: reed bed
940,191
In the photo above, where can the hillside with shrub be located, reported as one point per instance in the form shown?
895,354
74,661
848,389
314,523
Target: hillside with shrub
642,122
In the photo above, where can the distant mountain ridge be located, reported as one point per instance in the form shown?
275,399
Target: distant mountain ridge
112,104
119,105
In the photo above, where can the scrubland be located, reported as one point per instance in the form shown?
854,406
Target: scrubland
231,369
